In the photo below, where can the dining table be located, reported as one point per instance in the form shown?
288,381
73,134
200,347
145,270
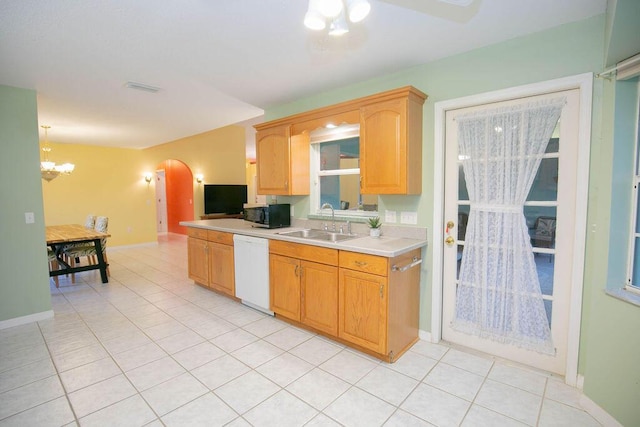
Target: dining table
59,236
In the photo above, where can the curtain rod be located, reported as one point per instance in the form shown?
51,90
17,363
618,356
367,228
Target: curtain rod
619,66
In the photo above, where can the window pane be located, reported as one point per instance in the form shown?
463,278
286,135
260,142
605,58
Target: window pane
635,279
548,305
538,229
554,144
343,193
545,264
545,184
343,154
463,194
637,209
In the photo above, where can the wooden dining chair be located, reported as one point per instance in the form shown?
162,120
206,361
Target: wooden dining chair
74,252
53,265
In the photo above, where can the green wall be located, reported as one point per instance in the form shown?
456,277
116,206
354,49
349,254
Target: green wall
24,288
567,50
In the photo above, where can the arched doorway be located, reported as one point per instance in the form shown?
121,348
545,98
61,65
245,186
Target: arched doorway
175,197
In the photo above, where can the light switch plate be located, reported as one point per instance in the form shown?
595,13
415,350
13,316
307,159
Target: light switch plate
29,217
390,216
409,218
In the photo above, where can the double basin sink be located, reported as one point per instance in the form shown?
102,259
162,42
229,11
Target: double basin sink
329,236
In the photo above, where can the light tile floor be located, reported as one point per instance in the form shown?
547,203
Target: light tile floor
151,348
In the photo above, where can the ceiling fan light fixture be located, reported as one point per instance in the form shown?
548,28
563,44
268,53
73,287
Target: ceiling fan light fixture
338,26
328,8
358,9
313,19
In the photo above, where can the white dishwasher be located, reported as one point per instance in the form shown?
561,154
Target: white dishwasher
251,259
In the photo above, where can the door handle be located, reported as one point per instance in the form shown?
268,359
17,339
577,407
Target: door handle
449,240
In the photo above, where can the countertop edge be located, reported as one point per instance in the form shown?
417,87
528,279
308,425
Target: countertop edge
368,245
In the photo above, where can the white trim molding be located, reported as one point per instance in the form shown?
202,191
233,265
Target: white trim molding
582,82
23,320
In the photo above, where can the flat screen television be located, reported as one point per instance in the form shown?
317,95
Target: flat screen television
224,199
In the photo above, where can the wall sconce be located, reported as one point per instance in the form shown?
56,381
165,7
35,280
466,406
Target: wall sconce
148,177
199,178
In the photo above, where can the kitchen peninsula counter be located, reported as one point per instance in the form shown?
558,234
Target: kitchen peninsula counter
391,244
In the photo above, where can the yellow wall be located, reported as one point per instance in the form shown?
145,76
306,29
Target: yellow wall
106,181
219,155
109,181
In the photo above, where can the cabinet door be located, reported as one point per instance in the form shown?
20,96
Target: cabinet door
319,288
284,279
362,309
273,160
221,274
383,147
198,260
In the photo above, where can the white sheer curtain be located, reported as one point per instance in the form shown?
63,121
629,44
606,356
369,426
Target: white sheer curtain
498,295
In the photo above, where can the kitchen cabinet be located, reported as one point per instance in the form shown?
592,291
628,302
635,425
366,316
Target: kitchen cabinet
198,256
302,290
391,145
211,263
282,162
378,305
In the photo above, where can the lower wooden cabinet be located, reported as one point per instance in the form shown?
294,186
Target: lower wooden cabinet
302,290
367,301
198,260
284,281
363,309
221,268
379,302
211,263
319,295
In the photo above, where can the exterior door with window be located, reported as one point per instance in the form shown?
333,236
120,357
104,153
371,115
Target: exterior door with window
539,251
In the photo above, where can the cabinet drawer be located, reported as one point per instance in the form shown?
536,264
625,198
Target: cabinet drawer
366,263
220,237
305,252
197,233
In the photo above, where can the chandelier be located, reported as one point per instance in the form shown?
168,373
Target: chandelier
335,13
49,170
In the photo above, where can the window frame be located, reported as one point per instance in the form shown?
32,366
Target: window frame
635,196
315,173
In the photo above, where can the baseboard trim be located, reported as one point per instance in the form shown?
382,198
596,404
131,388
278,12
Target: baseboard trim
23,320
137,245
598,413
424,335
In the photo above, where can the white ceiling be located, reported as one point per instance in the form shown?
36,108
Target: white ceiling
221,62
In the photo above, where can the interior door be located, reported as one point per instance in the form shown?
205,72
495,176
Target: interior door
549,211
161,201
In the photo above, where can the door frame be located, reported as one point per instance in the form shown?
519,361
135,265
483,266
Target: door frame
582,82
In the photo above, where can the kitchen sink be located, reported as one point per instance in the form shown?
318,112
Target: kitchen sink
318,235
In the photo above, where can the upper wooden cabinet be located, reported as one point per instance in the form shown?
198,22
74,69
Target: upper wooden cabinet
282,162
390,144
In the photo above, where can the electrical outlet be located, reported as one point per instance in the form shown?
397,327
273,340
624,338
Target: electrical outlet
390,216
292,211
409,218
29,217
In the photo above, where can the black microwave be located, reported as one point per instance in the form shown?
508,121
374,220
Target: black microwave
269,216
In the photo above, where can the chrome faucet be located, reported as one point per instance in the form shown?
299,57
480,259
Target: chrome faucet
333,215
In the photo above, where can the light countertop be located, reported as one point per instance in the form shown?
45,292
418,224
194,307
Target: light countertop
385,245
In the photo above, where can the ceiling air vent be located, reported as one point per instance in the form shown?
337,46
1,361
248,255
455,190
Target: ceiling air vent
143,87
